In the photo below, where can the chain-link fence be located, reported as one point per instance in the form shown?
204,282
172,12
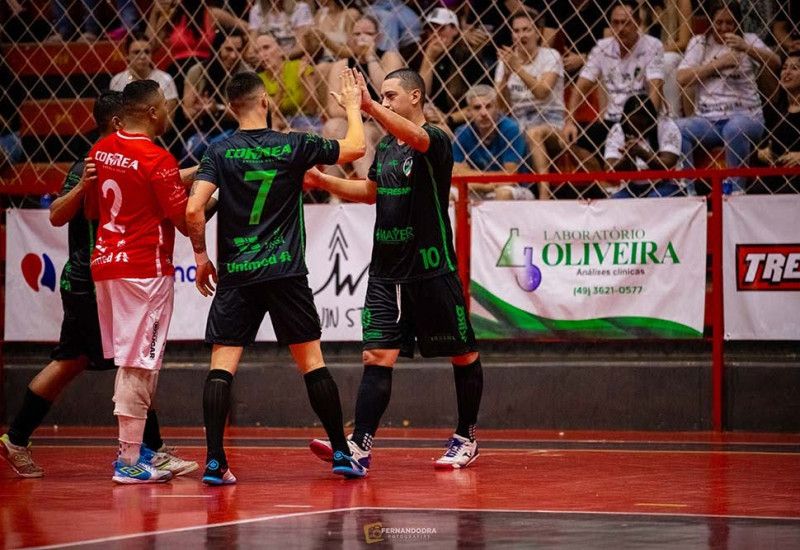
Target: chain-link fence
536,86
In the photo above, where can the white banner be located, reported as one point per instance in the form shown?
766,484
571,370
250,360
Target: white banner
338,252
762,267
600,269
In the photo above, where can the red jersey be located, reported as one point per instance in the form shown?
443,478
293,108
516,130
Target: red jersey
139,190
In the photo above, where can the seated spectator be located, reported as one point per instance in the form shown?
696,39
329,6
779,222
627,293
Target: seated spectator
293,86
399,26
786,27
449,67
643,141
333,23
489,142
90,29
626,63
12,94
374,64
287,25
580,24
722,65
531,79
138,54
783,147
208,118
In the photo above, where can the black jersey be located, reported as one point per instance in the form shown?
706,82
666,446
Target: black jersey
77,276
413,238
260,232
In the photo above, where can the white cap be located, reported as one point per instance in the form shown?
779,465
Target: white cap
442,16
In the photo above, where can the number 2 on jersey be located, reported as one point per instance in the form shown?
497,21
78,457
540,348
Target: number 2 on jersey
116,206
266,177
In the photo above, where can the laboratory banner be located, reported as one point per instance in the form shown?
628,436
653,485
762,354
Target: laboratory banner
338,248
598,269
761,258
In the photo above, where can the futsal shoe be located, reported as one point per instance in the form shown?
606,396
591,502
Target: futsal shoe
19,458
166,458
461,452
347,466
323,450
141,472
149,455
215,474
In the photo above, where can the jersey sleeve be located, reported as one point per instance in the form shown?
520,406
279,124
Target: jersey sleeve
655,69
372,174
694,53
168,187
207,171
440,148
313,149
73,177
614,142
592,70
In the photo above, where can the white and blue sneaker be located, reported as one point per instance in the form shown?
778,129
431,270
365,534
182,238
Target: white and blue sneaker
461,452
166,458
347,466
141,472
324,451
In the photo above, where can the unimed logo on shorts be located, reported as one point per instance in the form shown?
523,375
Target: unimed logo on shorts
768,267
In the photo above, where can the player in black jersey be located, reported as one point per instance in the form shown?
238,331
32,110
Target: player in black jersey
79,347
261,256
414,293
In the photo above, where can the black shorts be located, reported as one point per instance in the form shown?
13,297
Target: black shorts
237,313
430,312
80,331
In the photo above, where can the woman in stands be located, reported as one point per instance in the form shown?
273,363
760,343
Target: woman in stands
783,147
643,141
531,81
722,66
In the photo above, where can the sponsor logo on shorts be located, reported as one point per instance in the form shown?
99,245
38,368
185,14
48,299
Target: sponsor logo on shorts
39,270
463,330
768,267
153,341
373,334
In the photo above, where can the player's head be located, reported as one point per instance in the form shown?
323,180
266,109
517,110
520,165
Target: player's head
403,92
246,93
143,103
107,112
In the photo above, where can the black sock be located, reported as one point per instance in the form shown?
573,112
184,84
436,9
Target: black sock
29,417
216,405
324,397
374,393
469,387
152,432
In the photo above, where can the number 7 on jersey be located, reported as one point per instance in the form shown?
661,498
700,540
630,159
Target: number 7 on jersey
266,177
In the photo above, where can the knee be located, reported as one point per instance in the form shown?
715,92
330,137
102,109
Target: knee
504,194
742,128
383,358
133,391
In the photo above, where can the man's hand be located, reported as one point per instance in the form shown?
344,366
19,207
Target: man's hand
789,159
350,95
89,176
734,42
361,84
206,278
570,132
635,149
312,178
510,58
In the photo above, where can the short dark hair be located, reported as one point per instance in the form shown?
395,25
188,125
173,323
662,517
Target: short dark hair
630,4
135,36
410,80
242,86
531,15
107,106
731,5
138,94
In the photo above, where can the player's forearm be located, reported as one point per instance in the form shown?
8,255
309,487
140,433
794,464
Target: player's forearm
354,145
63,209
196,224
351,190
400,127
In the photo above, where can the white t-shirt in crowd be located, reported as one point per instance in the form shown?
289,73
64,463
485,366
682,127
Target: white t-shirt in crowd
165,82
522,99
623,77
669,141
734,90
281,25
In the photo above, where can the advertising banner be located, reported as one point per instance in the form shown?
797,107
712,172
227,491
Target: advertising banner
600,269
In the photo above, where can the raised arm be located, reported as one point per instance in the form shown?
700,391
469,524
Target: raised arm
354,145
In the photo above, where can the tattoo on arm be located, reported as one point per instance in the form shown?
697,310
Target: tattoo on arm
197,234
194,188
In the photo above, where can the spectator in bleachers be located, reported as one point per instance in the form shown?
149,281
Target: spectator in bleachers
208,118
333,23
288,23
626,63
722,66
374,64
12,94
531,81
489,142
138,54
671,22
449,67
643,141
786,27
580,25
90,28
783,142
400,26
293,85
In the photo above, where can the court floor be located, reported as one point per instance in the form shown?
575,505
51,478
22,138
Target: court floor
527,489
